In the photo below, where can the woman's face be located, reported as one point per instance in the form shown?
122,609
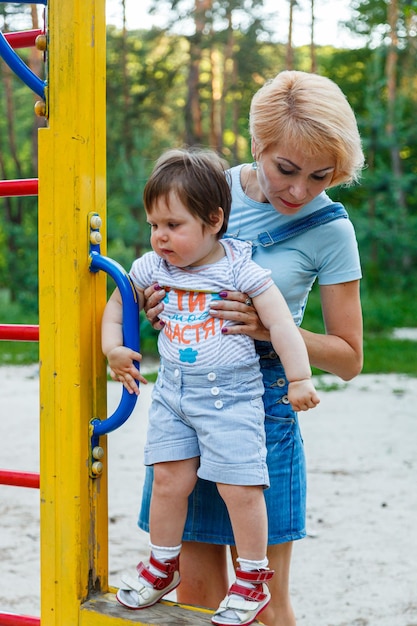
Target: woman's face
289,179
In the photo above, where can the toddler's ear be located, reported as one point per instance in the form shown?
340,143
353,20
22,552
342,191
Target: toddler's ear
217,219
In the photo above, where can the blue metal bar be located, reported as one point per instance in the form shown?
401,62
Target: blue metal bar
20,68
45,2
131,337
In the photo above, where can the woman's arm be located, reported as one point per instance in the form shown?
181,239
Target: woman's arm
340,350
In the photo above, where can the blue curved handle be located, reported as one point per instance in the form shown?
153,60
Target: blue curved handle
131,337
20,68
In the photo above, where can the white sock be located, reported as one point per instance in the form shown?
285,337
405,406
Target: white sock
249,566
162,554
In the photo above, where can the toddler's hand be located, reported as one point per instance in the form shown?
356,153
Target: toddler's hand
302,395
122,368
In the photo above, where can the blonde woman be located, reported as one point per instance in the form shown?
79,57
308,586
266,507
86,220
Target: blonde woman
304,140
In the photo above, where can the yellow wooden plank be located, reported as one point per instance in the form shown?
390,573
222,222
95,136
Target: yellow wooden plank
104,610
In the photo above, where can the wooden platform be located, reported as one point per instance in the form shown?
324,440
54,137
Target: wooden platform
106,611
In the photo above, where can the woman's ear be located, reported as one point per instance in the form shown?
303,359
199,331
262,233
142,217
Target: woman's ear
253,148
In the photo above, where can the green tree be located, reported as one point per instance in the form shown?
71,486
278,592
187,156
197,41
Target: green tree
18,159
389,138
145,99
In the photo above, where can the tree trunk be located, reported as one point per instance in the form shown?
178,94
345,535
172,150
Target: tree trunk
230,82
313,58
391,79
193,125
290,51
216,131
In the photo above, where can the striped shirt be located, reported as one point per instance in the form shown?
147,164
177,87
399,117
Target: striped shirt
191,335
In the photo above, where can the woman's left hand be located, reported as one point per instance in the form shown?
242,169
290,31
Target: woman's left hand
237,307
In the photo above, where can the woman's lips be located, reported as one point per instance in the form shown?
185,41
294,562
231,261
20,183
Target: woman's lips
291,205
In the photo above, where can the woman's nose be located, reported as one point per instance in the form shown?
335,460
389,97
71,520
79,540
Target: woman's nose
298,190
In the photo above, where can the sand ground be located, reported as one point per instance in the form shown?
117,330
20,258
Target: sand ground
358,565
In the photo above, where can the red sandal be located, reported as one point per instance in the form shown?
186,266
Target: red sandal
135,595
244,609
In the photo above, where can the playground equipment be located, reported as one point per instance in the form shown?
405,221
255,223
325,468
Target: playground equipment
71,189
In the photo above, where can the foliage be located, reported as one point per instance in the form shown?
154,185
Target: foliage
166,88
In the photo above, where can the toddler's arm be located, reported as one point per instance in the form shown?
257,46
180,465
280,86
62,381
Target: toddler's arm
120,358
289,345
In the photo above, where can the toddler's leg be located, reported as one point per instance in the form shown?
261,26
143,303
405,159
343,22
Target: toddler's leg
173,482
247,511
249,595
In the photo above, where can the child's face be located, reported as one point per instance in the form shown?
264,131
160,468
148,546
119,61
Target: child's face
179,237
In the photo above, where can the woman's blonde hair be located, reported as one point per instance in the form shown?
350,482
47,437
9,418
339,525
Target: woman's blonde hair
309,113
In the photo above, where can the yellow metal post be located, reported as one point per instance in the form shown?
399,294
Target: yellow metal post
72,182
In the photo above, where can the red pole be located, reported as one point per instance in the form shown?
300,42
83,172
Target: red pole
23,187
22,39
19,332
11,619
19,479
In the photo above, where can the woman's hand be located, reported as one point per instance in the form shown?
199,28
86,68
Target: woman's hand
237,307
153,305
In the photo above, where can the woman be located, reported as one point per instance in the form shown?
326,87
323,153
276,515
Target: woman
304,140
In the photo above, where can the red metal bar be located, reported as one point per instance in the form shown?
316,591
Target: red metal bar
19,479
22,39
22,187
12,619
19,332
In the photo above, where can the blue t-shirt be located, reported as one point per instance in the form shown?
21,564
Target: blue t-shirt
328,253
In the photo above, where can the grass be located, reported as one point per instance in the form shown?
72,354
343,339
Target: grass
383,355
389,356
18,352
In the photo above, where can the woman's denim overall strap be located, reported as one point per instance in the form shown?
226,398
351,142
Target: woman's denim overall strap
327,214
